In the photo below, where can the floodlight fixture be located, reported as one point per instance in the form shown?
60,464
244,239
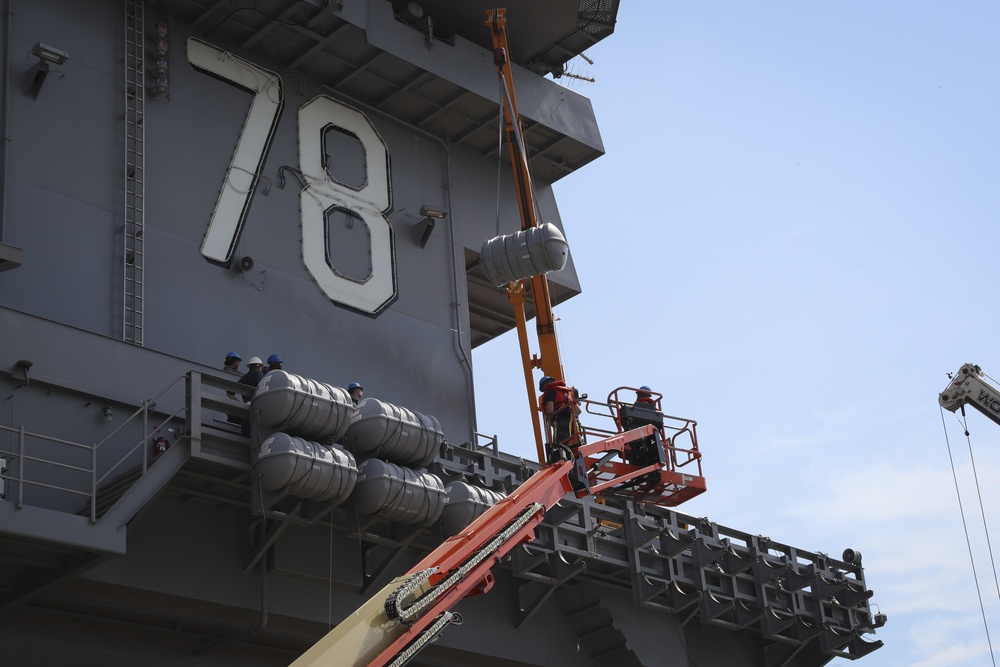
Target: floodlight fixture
47,56
433,212
49,53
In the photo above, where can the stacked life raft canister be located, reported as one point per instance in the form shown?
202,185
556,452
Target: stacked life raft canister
312,437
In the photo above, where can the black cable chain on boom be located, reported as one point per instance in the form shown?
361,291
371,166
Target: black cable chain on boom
408,615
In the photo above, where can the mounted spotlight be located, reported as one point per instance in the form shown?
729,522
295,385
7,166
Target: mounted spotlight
49,53
432,212
425,227
47,56
852,557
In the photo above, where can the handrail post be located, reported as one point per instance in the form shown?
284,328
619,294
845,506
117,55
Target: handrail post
193,399
93,483
145,434
20,467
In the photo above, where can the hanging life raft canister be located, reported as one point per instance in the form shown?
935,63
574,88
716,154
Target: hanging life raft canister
398,494
306,469
393,433
527,253
302,407
465,503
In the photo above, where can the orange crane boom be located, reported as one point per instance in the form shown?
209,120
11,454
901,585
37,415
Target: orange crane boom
548,359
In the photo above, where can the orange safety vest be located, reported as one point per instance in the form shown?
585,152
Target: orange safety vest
563,396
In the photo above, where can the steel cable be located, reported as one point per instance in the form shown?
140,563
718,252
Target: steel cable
968,541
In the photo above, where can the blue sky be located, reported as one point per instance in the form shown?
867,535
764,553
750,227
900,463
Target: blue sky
794,237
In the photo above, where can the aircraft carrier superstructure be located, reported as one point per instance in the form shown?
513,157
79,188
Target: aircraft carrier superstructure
312,178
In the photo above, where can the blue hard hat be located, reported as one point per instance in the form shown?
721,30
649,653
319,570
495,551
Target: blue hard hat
274,359
644,388
544,381
353,386
233,354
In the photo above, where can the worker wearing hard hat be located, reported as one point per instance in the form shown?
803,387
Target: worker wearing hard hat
232,364
253,376
644,398
274,363
559,408
252,379
356,391
643,452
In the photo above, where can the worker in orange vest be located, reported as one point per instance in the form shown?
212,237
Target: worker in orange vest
559,407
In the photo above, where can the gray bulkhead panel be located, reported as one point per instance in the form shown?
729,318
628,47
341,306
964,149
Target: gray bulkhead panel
64,167
64,208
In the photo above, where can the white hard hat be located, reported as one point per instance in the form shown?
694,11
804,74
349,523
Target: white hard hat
255,360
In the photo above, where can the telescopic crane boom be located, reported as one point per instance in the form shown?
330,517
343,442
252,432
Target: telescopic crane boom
969,386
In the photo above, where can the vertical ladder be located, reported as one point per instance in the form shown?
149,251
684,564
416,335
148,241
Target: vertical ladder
132,251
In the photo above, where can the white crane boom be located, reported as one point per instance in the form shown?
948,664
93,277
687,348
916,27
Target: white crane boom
970,386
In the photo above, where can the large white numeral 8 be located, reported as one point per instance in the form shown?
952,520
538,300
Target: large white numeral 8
369,202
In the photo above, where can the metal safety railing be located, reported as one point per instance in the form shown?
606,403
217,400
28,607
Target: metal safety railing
35,458
21,457
680,435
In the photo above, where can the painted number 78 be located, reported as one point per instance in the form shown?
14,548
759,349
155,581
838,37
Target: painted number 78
321,193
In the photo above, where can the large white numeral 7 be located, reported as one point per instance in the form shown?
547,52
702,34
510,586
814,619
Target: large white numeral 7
368,202
238,187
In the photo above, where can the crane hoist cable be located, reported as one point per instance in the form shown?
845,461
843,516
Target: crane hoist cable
982,508
968,540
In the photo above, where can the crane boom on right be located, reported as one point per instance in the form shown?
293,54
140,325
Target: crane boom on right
970,386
